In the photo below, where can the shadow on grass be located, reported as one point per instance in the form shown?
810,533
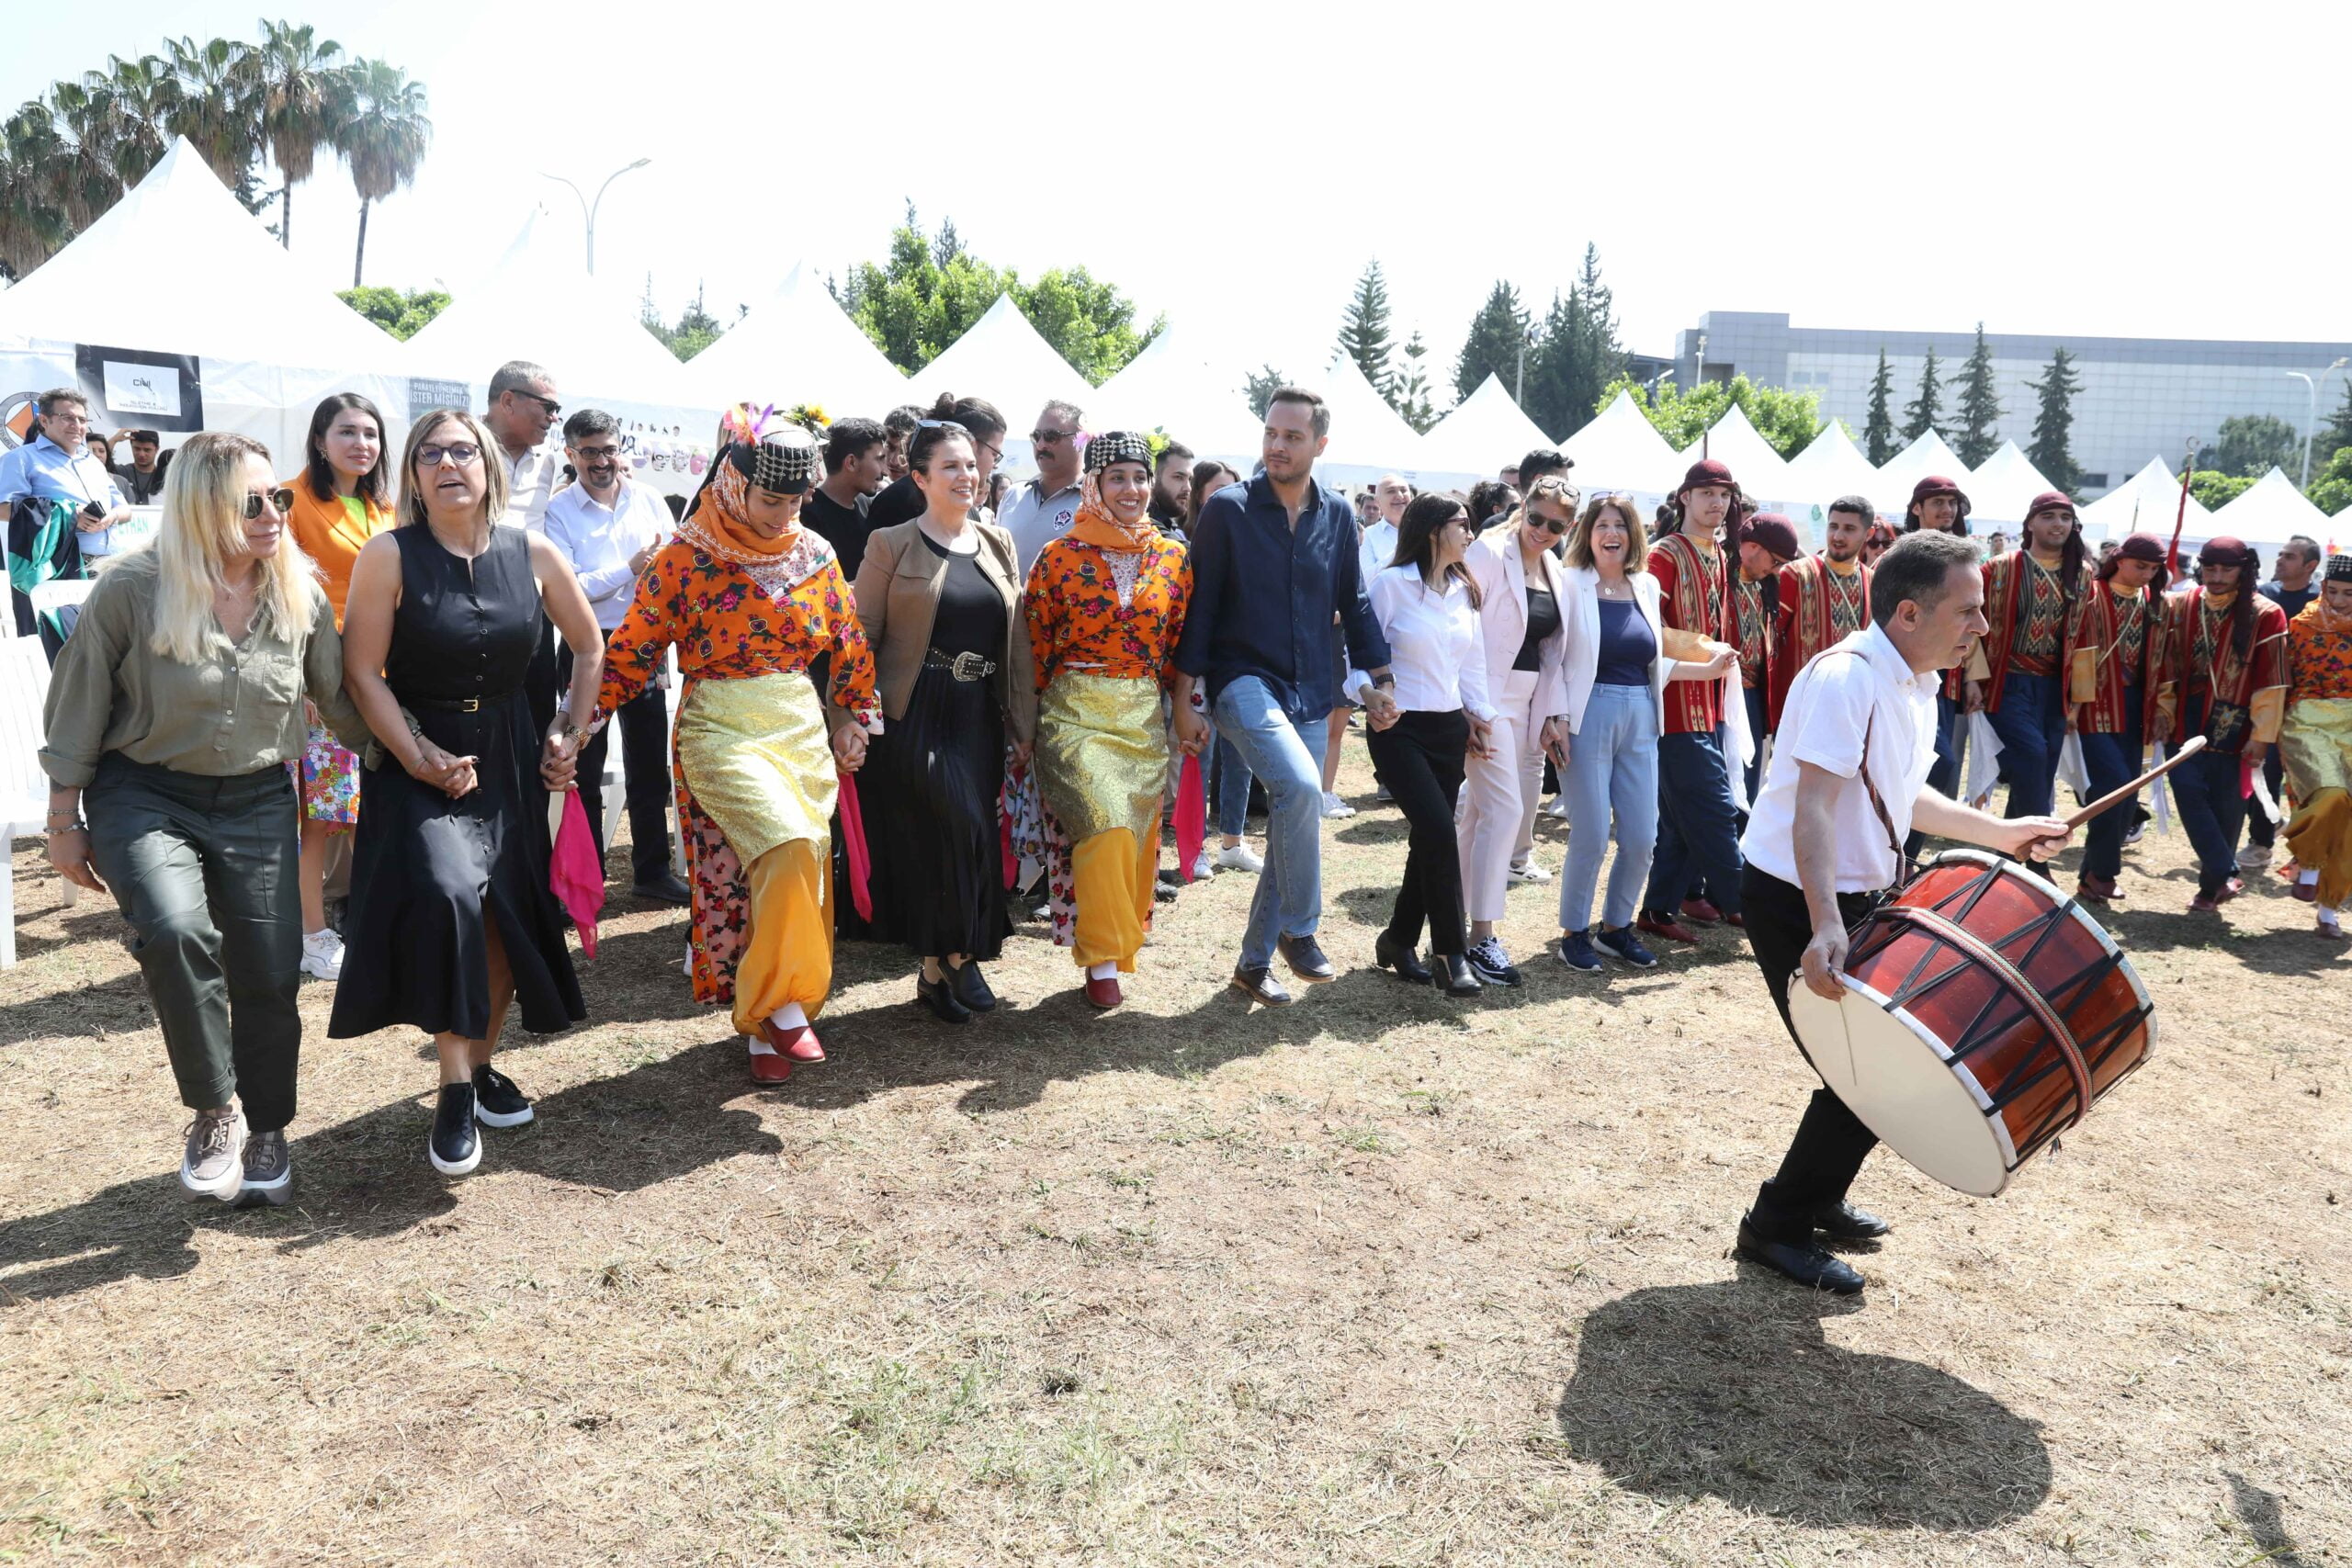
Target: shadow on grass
1730,1390
2260,1513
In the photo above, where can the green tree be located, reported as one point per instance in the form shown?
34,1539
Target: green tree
1576,355
696,330
1787,420
2331,488
382,134
216,105
2250,445
1260,386
2337,434
1363,328
1920,415
2214,489
403,315
1980,406
2054,422
1877,431
1498,336
301,92
1409,394
1089,321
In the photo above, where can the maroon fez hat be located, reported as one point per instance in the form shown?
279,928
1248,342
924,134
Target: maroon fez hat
2226,550
2050,501
2143,546
1936,484
1773,531
1707,471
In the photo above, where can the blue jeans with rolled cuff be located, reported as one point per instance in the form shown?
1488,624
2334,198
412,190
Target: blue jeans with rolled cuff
1698,824
1287,758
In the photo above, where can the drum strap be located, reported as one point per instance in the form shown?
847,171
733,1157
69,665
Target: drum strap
2017,984
1903,870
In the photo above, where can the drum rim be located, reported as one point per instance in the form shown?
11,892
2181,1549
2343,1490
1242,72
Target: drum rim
1989,1113
2074,909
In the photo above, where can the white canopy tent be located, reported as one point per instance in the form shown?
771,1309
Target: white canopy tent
1735,442
1620,449
1004,359
797,346
1174,385
1486,431
2000,492
1830,467
2269,513
2145,503
1368,437
178,267
1928,455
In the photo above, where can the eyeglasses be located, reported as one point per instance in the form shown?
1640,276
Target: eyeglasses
78,421
280,500
996,453
597,454
458,452
553,408
1049,437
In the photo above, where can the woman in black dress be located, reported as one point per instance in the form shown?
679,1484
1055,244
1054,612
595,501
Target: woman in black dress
451,915
940,598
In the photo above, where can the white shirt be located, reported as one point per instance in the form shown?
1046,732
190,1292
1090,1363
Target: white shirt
1833,701
1035,519
1435,648
530,481
600,541
1378,547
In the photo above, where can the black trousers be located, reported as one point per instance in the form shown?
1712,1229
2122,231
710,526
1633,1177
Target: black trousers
644,724
1831,1141
1420,759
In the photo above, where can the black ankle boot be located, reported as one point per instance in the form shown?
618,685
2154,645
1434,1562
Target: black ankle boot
1390,953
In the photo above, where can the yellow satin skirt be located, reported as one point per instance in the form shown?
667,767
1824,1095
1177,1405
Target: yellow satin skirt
2315,746
758,758
1101,755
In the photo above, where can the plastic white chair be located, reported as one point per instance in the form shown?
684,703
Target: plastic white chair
54,594
24,788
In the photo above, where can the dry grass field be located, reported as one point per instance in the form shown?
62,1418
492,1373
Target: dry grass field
1375,1280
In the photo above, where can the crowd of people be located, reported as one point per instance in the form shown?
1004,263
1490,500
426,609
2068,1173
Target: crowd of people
918,704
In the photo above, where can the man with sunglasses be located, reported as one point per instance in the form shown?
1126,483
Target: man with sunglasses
523,409
1041,509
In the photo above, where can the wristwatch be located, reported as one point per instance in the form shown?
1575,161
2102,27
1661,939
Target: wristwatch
1383,681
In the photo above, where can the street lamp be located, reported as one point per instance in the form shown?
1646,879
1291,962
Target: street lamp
2311,422
587,207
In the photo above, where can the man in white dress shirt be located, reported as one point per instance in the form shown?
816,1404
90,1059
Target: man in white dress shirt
1816,850
523,409
1043,508
608,527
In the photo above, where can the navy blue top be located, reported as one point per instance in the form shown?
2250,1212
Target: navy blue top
1628,647
1263,594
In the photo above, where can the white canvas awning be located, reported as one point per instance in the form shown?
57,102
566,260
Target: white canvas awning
1485,433
1175,385
1007,361
1833,466
2269,513
2145,503
1620,449
1735,442
2000,492
1368,437
1927,456
797,346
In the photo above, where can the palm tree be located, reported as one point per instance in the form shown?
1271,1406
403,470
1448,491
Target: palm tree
137,96
382,134
301,87
33,225
212,104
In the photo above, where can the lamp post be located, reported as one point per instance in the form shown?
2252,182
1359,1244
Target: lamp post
587,207
2311,421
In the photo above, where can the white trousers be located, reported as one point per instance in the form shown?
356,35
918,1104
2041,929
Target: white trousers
1499,794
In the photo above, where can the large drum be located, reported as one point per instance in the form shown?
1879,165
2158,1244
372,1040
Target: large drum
1984,1013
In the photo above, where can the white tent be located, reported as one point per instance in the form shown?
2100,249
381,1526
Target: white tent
1005,360
179,268
1833,467
797,346
2000,492
1368,437
1736,443
2269,513
2145,503
1927,456
1486,431
1174,385
1620,449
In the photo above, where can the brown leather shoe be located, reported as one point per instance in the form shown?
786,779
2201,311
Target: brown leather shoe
767,1067
1701,913
1104,993
800,1044
1668,927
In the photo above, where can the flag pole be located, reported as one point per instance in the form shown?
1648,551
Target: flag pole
2180,515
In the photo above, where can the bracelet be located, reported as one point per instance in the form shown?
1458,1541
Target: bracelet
76,826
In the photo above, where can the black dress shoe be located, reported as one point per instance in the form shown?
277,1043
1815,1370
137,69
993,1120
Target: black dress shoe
663,889
937,996
1305,959
1802,1261
1260,986
1390,953
971,987
1454,975
1843,1221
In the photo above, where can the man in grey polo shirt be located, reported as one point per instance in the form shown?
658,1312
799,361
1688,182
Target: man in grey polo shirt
1042,509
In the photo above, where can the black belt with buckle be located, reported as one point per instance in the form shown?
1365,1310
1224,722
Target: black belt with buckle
966,667
444,705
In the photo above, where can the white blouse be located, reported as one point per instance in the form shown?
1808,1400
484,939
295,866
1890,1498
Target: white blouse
1435,650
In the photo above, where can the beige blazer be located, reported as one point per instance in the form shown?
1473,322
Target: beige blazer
898,598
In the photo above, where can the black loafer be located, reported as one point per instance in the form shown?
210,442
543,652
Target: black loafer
1843,1221
1305,959
1453,975
1390,953
971,987
1260,986
936,996
663,889
1802,1261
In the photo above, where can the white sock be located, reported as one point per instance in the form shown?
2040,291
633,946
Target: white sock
789,1016
759,1046
2309,877
1102,971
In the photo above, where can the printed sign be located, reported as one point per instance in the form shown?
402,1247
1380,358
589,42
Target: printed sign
138,387
425,395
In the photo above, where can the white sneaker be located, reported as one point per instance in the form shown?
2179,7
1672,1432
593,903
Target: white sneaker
1334,806
1380,794
1556,808
2133,834
1528,871
1240,857
322,955
2254,857
1204,866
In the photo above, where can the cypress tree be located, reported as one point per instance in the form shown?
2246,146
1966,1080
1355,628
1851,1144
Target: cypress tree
1494,343
1878,435
1920,415
1364,330
1980,405
2054,422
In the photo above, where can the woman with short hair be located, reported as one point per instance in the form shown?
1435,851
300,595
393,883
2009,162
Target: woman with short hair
173,711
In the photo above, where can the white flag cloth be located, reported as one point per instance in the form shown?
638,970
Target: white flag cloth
1984,760
2265,799
2164,791
2072,772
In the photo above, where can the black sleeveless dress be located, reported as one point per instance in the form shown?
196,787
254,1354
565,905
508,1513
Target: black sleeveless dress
427,870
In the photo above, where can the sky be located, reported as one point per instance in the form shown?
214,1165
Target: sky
2059,167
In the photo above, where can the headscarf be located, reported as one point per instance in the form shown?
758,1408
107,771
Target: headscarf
785,460
1094,525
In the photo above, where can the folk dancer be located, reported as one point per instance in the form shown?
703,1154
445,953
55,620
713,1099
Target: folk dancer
2116,664
2317,742
2018,675
2225,678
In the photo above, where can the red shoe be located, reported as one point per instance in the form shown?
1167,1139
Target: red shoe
800,1042
1738,922
2288,871
1104,993
2092,890
769,1067
1671,930
2306,892
2201,905
1701,913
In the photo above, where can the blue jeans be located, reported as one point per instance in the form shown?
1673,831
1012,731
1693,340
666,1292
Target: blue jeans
1698,825
2212,812
2111,762
1286,755
1613,770
2031,723
1232,790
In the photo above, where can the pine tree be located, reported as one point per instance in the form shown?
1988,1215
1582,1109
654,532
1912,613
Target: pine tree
1980,404
1364,330
1498,335
1259,388
1550,396
1599,355
1919,416
1409,393
2054,422
1879,434
2337,434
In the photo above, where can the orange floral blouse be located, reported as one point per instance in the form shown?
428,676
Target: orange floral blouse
2319,660
1093,611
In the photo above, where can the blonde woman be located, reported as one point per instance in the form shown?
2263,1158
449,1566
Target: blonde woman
173,711
451,916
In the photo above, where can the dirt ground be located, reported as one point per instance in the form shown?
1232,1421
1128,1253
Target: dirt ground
1379,1278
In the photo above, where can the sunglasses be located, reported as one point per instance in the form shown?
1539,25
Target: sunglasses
1047,437
280,500
458,452
1551,525
553,408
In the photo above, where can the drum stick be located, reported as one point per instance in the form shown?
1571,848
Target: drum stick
2114,799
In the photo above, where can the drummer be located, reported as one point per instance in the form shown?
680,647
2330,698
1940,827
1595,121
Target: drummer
1824,836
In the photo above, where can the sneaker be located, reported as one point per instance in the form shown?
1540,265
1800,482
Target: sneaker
214,1165
1204,867
2134,834
1665,926
1492,963
270,1171
1626,947
497,1102
454,1148
1575,950
1380,793
1527,871
1240,857
1556,808
322,955
1334,806
2254,857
